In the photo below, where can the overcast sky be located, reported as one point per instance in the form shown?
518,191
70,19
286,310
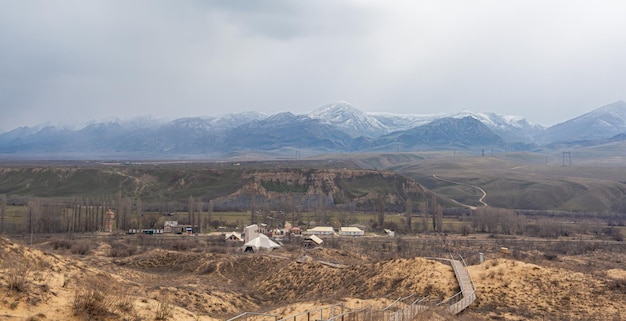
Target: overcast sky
75,61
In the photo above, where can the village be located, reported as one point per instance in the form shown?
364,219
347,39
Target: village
257,237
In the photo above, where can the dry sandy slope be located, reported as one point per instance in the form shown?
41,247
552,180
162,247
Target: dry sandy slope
521,291
214,286
48,285
205,286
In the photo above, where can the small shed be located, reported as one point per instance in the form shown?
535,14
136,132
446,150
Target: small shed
311,241
262,242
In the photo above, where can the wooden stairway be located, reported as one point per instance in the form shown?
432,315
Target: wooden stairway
467,295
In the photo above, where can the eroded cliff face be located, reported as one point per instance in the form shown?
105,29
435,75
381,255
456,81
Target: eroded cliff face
314,188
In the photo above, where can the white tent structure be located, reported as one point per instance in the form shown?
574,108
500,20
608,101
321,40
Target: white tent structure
262,242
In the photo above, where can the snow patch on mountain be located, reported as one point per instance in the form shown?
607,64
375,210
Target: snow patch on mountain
342,115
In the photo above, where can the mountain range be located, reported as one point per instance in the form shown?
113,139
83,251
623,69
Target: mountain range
333,128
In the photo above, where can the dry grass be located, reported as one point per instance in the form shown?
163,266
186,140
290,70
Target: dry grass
17,275
186,285
164,309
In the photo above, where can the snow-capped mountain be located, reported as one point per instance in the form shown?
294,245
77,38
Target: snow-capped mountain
601,123
336,127
233,120
357,123
445,133
353,121
510,128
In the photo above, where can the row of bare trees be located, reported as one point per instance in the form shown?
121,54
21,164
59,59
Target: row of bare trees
200,214
79,215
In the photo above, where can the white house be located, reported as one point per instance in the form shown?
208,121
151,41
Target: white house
351,231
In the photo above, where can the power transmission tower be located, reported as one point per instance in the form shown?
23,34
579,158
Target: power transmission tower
567,159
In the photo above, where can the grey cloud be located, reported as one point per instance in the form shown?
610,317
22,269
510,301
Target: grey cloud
71,61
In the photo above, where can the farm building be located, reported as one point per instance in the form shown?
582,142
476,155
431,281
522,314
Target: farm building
233,237
351,231
321,230
311,241
250,232
261,242
296,230
170,226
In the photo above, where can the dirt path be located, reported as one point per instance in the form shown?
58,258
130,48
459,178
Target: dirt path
481,199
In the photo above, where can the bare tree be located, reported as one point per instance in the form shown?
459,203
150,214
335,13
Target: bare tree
409,214
424,210
210,210
190,210
253,218
34,212
381,212
197,215
201,217
139,212
439,217
126,207
3,211
150,220
433,207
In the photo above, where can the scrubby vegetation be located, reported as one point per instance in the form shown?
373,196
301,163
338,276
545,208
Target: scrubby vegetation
121,276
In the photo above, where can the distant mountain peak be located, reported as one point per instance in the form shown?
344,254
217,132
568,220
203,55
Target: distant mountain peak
334,109
343,115
600,123
616,109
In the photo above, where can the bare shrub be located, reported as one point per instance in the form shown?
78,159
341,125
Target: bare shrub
120,249
17,276
209,268
550,256
82,248
164,309
183,245
216,249
124,304
60,244
618,286
100,301
614,233
93,302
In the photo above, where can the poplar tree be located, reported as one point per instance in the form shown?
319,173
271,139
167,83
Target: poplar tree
3,211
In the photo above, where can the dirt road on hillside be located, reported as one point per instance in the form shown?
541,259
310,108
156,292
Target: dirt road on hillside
480,200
